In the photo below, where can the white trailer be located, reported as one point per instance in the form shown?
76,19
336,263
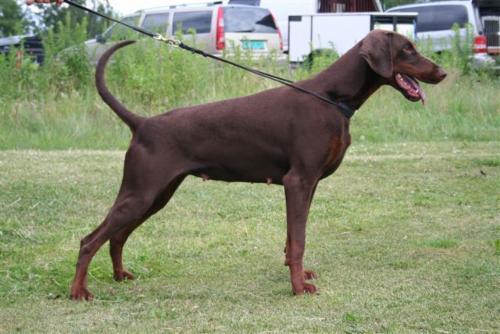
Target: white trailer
310,34
282,9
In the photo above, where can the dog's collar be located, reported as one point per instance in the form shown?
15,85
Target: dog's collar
345,109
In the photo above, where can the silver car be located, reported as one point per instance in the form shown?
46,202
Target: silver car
217,28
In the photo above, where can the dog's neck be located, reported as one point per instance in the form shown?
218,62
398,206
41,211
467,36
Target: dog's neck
349,80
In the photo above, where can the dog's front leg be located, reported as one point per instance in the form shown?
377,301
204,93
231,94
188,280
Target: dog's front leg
298,192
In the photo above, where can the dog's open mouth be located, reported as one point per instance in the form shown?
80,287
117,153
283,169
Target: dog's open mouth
411,87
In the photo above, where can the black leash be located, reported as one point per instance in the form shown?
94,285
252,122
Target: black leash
344,109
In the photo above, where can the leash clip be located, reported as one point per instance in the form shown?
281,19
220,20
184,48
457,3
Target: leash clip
170,41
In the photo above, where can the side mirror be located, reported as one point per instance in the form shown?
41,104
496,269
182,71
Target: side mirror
100,39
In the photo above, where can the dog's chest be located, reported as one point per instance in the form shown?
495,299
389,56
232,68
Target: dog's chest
336,151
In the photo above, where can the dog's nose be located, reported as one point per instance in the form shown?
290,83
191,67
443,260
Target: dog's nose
440,73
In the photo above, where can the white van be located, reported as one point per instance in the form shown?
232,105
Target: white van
216,28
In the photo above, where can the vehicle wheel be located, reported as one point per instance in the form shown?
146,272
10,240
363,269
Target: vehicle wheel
320,58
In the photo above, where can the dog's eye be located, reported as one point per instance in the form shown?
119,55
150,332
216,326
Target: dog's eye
409,50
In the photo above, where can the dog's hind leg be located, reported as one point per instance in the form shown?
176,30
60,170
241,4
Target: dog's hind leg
127,211
146,181
117,242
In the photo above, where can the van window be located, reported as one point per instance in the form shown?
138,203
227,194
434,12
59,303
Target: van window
200,22
156,22
259,20
434,18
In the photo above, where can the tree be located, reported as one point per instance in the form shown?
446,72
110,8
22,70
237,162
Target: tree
11,18
97,24
50,16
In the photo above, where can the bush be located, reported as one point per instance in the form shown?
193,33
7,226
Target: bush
56,105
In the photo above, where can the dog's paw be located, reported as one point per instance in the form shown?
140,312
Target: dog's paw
123,275
307,288
310,288
309,274
81,294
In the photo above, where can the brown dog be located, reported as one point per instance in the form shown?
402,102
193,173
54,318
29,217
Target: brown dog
279,136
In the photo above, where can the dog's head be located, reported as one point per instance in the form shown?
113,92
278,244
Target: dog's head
396,60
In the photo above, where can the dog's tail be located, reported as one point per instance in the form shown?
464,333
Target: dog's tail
131,119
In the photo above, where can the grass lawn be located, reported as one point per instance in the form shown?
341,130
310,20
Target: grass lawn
405,238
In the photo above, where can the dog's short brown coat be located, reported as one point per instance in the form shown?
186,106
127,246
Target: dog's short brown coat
278,136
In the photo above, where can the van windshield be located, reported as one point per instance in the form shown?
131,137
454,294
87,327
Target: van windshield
240,19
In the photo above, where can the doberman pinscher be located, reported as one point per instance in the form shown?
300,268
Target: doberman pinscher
279,136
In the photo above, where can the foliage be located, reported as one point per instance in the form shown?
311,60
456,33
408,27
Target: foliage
65,68
43,105
11,18
51,17
459,55
320,59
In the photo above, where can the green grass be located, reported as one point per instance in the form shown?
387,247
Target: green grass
405,238
459,109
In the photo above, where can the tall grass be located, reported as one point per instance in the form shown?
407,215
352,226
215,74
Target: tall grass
56,105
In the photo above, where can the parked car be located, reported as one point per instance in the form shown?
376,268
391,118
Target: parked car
436,19
26,45
217,28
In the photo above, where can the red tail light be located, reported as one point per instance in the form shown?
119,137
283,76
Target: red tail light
480,44
220,42
279,31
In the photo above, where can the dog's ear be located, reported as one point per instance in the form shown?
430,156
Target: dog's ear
376,49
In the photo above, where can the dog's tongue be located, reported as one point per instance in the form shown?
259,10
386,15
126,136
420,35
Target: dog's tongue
423,97
418,89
